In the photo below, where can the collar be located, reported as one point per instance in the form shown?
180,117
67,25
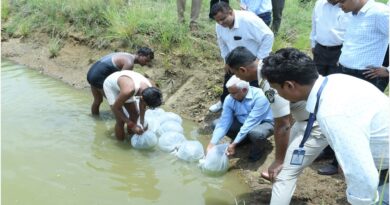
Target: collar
366,7
259,66
249,94
236,20
312,99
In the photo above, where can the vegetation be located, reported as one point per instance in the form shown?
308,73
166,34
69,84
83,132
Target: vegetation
136,23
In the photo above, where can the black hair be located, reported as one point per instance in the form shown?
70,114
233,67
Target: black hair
289,64
145,51
152,97
220,7
238,57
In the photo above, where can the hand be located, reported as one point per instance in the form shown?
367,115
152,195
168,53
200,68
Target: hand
137,130
273,170
209,147
231,150
373,72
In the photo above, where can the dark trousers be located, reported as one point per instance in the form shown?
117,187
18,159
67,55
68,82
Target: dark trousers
256,136
266,17
326,59
225,90
379,82
277,10
212,2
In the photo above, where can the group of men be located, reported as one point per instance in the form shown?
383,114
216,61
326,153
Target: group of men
128,93
262,8
346,110
336,99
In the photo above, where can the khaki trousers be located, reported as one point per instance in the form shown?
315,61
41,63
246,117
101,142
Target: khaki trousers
195,10
285,183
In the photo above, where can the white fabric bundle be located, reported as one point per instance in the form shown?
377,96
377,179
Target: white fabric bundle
169,141
190,151
145,141
216,162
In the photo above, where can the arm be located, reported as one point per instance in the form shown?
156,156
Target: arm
256,115
224,123
263,35
128,63
351,144
281,135
221,43
126,86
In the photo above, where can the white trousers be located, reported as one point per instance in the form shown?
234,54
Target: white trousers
284,186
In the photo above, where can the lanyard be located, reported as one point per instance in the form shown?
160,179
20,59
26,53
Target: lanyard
312,116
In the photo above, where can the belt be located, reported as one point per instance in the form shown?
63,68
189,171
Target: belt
330,47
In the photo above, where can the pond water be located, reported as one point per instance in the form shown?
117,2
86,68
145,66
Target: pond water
55,152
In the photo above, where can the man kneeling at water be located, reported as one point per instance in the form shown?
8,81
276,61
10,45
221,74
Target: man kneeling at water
121,89
246,112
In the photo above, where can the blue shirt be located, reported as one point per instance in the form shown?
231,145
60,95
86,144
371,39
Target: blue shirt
257,6
367,37
251,111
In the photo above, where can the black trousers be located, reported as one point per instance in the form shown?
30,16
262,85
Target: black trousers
379,82
326,59
212,2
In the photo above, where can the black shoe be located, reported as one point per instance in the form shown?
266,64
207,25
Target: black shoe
328,170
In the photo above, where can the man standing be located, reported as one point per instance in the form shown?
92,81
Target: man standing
246,113
356,125
366,40
277,12
239,28
327,35
195,10
261,8
244,64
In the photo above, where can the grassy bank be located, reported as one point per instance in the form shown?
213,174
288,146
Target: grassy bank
134,23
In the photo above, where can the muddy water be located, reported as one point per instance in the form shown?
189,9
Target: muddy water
55,152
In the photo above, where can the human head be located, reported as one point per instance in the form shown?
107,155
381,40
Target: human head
145,55
333,2
237,88
288,71
351,5
152,97
242,63
223,14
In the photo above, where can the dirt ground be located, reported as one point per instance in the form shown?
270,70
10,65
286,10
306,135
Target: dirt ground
188,91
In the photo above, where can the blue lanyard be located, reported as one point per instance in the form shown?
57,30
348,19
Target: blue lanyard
312,116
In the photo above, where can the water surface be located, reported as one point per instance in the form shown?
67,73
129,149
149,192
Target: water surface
55,152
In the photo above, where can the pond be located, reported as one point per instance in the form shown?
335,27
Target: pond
55,152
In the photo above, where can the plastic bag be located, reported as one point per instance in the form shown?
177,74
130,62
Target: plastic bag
169,141
216,162
190,151
145,141
169,126
170,116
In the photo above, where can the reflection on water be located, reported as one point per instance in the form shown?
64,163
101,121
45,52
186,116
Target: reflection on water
55,152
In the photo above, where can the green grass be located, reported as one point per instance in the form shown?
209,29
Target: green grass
150,23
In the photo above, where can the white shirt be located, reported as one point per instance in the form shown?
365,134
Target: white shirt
257,6
252,33
281,107
328,24
367,37
355,116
